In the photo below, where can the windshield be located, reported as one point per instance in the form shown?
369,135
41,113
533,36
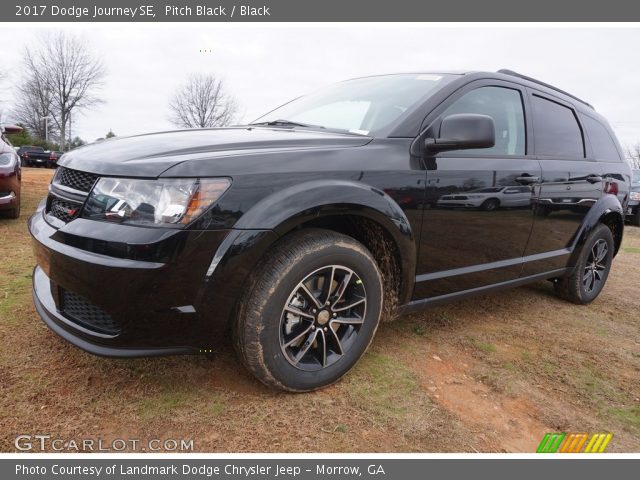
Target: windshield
362,106
636,176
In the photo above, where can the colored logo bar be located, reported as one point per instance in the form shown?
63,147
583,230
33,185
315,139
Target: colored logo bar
574,443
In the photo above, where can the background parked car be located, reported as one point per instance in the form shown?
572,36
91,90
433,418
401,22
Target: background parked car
10,176
36,157
53,159
633,210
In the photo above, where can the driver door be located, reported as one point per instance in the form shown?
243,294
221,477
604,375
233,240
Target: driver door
478,211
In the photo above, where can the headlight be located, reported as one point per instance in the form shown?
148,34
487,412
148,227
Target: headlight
635,196
170,202
6,159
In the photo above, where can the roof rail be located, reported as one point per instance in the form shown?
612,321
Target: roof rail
524,77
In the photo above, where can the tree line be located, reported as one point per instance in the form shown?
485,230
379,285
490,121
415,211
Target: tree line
62,78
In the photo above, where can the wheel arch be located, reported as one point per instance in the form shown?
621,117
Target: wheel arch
365,213
607,210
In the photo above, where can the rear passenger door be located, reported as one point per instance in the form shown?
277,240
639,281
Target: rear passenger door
571,182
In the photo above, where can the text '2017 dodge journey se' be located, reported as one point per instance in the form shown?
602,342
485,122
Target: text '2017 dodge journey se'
294,235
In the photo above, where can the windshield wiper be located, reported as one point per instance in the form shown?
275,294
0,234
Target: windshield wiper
285,123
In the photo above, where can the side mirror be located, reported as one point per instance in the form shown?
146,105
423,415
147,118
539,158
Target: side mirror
463,131
11,129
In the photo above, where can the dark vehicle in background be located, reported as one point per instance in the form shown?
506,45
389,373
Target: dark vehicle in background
633,210
22,149
293,236
33,156
10,175
53,159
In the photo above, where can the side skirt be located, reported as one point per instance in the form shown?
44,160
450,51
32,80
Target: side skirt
418,305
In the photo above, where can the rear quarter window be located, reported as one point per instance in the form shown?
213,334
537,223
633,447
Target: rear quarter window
603,146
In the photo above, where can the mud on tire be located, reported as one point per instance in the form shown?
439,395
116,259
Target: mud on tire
301,323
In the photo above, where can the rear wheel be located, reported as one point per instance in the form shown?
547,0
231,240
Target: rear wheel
635,219
592,269
310,311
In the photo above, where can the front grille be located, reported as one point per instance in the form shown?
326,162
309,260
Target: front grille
63,210
86,314
75,179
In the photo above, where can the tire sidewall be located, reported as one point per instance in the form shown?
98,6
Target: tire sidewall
602,232
269,338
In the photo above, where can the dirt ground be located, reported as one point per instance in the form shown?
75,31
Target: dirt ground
489,374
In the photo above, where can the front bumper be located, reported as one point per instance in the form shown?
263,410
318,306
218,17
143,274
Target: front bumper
58,323
155,302
9,200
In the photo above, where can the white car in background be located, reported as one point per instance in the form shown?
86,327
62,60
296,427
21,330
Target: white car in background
489,198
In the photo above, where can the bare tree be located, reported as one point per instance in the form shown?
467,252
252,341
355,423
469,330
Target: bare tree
633,153
34,108
63,65
202,102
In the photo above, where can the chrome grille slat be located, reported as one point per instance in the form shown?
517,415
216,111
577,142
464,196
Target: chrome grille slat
69,188
82,181
63,210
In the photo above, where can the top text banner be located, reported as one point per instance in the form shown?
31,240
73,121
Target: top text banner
320,11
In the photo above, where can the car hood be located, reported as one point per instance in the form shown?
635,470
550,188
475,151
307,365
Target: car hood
151,154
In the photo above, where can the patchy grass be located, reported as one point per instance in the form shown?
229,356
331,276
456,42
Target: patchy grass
482,346
490,374
628,416
383,386
161,406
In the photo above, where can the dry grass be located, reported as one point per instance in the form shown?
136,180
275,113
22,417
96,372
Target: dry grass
488,374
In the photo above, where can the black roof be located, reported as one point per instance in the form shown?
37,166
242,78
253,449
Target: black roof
505,71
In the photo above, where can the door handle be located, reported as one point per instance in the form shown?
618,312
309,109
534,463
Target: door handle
526,179
594,178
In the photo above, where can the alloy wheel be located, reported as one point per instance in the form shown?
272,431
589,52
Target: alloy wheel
596,266
322,318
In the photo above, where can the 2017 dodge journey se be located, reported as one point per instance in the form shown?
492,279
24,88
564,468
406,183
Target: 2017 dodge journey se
293,236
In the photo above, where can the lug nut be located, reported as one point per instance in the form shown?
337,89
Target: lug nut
335,314
325,329
314,311
313,327
328,303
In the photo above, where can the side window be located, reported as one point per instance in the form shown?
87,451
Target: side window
556,130
504,105
603,147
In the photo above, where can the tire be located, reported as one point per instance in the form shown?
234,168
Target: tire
592,269
299,353
15,213
490,205
635,219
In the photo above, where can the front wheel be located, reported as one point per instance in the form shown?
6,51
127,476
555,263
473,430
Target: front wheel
592,269
310,312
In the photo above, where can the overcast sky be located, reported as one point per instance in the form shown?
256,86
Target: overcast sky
264,67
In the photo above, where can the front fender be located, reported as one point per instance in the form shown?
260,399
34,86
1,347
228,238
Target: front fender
606,208
286,209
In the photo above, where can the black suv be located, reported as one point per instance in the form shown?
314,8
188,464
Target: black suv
294,235
633,210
